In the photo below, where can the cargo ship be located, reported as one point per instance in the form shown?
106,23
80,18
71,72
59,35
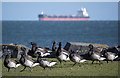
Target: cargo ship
81,16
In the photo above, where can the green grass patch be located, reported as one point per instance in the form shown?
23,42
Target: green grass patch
86,69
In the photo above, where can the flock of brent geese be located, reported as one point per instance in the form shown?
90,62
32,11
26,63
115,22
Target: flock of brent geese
61,55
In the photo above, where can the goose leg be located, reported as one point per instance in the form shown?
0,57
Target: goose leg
44,68
65,63
107,61
30,69
15,70
8,69
60,61
79,65
50,68
92,61
100,62
23,69
74,64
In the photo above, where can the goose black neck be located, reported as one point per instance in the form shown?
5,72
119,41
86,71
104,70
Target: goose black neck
53,47
60,45
39,58
6,61
59,49
34,48
105,51
6,58
22,59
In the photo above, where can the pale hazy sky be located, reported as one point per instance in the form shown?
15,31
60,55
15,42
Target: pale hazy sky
30,10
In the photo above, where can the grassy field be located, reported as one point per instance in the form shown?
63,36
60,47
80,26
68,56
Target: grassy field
86,69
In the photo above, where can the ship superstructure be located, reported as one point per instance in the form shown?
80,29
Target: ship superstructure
82,15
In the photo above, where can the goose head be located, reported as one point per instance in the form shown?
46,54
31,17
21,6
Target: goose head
53,42
90,46
59,48
118,48
53,47
104,51
90,49
33,43
59,44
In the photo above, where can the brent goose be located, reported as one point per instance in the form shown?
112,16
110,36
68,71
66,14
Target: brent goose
74,57
43,50
95,55
110,56
118,48
54,49
10,63
62,55
45,62
27,61
34,47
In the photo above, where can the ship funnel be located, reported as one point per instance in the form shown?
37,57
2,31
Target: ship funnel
83,12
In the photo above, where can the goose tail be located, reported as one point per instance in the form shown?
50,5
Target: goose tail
35,64
18,65
52,63
49,51
68,58
116,57
81,61
102,58
46,54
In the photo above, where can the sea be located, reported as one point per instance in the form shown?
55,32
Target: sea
44,32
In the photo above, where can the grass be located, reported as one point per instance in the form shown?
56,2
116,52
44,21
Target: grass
86,69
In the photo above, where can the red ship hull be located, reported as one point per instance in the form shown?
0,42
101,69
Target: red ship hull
64,19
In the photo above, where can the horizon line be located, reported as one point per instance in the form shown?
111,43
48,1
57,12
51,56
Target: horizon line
60,0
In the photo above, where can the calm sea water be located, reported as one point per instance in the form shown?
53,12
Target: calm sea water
44,32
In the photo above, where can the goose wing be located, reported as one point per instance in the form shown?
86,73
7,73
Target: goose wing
49,63
111,55
12,64
65,51
97,53
28,63
45,49
47,60
30,59
14,61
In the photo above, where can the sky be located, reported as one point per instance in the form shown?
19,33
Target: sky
30,10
